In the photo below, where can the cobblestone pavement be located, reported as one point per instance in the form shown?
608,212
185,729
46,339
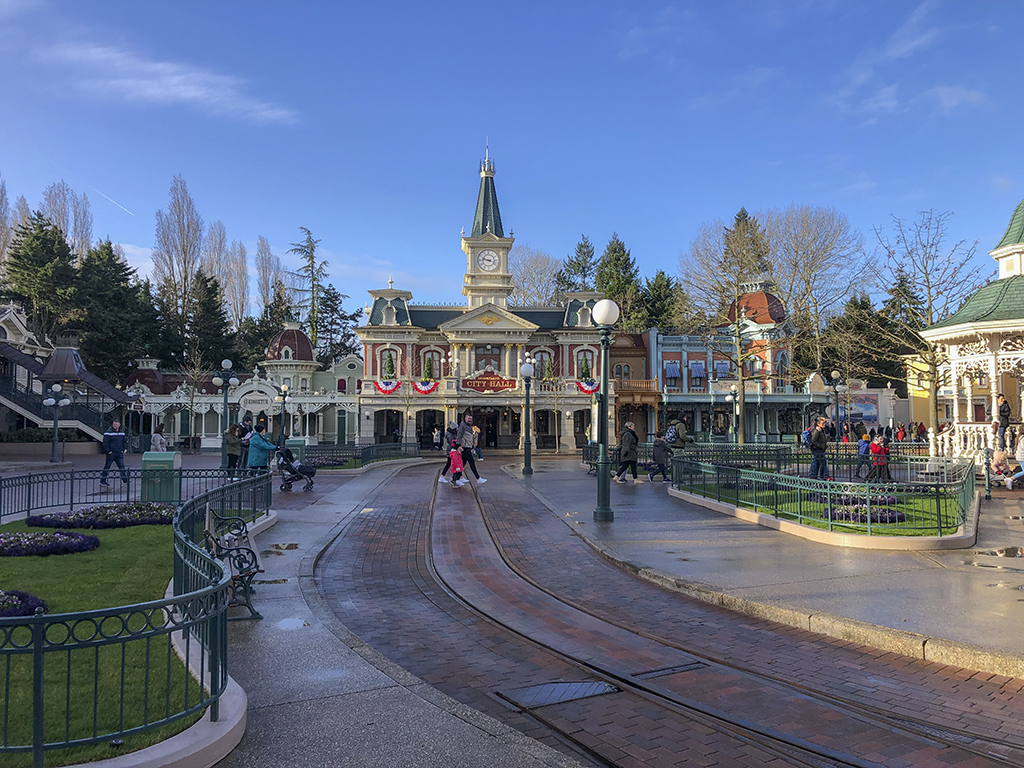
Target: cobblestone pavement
377,579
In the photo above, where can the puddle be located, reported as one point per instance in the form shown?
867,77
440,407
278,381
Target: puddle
292,624
284,546
271,552
1004,585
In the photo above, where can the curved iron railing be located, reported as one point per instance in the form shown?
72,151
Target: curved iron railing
74,671
327,456
927,496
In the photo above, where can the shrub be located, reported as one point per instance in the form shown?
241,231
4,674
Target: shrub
36,435
16,603
29,544
107,516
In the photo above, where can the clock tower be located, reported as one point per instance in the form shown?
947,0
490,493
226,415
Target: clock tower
488,278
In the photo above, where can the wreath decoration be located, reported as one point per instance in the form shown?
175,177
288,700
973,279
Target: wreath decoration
387,387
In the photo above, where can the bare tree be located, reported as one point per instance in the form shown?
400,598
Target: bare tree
178,249
236,283
817,260
71,213
215,253
534,276
722,265
195,373
81,225
6,225
927,280
22,213
268,272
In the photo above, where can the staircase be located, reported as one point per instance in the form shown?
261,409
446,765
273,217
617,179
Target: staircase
29,404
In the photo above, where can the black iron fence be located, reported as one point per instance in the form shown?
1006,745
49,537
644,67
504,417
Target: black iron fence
78,679
352,456
77,487
929,497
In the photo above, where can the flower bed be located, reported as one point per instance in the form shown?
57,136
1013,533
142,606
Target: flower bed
15,603
30,544
107,516
852,499
859,514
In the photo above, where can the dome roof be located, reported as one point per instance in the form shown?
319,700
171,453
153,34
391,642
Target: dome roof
291,338
760,307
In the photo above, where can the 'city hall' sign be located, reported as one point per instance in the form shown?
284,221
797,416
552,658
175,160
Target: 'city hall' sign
254,402
489,383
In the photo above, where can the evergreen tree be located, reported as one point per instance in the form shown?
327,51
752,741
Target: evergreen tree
389,367
428,369
585,371
660,299
107,327
312,274
40,275
578,271
618,278
336,338
209,331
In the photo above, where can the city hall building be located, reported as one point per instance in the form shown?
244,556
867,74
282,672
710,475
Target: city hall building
426,365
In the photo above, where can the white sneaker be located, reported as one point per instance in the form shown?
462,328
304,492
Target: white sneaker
481,480
441,480
461,482
1009,483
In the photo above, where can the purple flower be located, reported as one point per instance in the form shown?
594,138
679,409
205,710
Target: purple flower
16,603
107,516
32,544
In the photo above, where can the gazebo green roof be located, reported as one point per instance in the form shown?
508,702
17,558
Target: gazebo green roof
1014,232
999,300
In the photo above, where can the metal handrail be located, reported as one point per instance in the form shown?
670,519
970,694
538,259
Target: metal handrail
92,707
361,455
928,495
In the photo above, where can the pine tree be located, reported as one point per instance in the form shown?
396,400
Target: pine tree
336,337
389,367
585,371
254,334
107,327
428,369
549,370
312,274
618,278
40,275
660,299
578,271
209,331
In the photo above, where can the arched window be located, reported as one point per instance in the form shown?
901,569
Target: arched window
489,355
540,365
287,354
625,372
341,385
431,364
618,371
303,385
585,364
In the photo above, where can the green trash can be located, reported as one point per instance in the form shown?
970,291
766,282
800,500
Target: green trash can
298,448
161,476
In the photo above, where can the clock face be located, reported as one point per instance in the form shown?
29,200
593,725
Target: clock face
488,260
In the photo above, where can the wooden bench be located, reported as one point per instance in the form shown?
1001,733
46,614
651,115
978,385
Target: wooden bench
228,539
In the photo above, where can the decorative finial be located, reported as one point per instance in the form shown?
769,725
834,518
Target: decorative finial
487,166
391,283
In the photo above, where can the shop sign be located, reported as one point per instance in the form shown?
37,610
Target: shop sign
254,402
489,383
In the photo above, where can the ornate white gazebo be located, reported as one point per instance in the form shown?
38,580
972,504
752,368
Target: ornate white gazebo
985,339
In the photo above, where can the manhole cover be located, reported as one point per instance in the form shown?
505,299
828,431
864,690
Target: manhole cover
555,693
670,670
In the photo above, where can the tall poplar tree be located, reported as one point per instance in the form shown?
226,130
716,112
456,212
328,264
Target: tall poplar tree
311,276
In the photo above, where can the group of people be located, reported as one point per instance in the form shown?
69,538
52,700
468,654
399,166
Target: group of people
438,438
872,449
462,443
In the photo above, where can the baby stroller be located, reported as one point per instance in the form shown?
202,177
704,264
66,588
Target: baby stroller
294,472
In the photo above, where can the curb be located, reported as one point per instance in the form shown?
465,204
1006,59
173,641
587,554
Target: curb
924,647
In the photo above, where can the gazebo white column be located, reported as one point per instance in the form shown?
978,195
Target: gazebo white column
993,381
955,376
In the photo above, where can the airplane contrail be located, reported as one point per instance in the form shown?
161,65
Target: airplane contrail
113,201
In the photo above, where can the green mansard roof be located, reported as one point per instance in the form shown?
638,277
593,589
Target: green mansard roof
999,300
1014,232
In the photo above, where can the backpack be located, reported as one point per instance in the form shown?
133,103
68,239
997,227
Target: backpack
805,438
671,435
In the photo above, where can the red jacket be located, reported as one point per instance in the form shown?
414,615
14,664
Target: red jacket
879,454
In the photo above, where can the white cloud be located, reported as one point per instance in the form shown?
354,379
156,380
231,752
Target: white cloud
883,100
118,73
952,96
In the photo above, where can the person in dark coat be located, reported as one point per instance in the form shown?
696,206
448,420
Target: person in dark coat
628,442
819,444
662,453
114,443
1004,420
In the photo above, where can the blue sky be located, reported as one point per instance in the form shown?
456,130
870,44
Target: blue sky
365,122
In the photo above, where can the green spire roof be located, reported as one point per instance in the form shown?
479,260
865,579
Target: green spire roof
1014,232
999,300
487,217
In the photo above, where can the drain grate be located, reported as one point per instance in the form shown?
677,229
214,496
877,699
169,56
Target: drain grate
670,670
555,693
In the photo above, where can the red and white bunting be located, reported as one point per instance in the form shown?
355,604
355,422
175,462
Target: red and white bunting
424,387
387,387
588,387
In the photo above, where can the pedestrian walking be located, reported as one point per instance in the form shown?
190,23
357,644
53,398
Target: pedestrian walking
157,442
863,455
437,439
476,443
114,442
455,461
819,445
449,438
233,445
464,437
628,442
1004,419
662,453
245,431
260,448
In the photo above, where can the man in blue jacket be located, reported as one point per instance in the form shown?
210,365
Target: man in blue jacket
113,446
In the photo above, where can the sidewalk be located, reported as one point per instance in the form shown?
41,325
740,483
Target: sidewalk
967,596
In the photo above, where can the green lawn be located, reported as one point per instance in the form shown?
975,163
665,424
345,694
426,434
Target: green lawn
131,565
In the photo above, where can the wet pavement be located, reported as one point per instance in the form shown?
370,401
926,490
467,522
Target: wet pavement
378,654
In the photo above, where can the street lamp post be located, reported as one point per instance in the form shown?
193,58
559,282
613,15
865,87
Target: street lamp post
56,402
223,379
733,397
526,370
605,313
837,388
284,398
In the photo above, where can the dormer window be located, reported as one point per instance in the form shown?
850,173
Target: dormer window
389,315
584,317
286,354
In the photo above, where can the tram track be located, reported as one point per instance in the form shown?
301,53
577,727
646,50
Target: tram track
793,749
959,738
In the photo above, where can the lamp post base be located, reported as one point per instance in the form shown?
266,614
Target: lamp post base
603,513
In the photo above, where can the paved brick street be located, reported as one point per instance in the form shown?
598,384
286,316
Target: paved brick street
378,579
